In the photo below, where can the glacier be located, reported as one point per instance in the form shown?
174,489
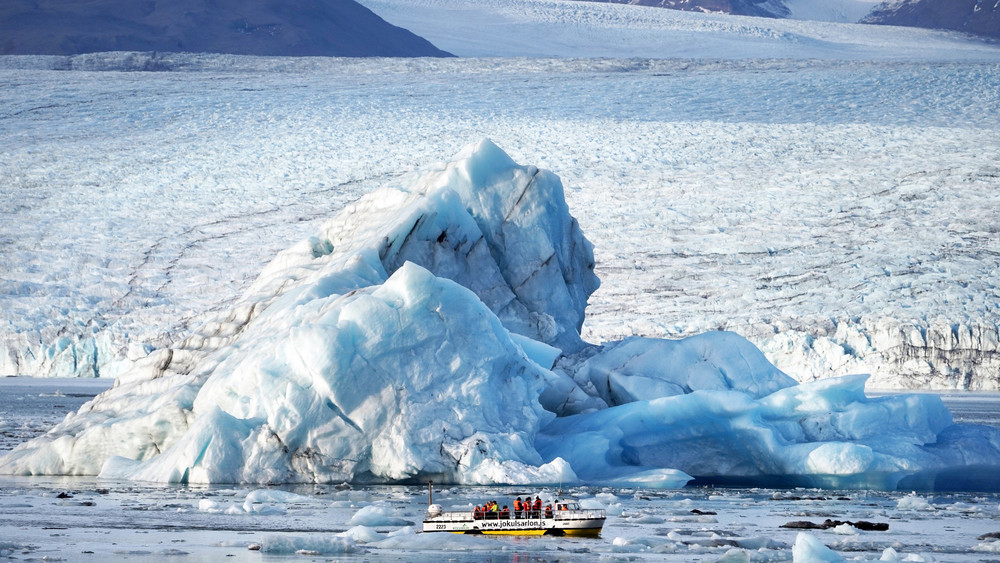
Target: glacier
431,330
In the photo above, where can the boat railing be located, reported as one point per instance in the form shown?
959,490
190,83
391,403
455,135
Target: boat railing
587,513
448,516
464,516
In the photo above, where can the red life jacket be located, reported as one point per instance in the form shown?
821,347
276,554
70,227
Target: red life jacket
538,504
517,506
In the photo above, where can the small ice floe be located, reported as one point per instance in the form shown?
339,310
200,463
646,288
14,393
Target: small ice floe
808,549
845,529
408,539
603,501
256,502
362,534
211,506
259,501
914,502
642,545
735,555
987,547
307,545
891,554
375,515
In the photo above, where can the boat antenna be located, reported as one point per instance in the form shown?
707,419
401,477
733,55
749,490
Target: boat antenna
430,492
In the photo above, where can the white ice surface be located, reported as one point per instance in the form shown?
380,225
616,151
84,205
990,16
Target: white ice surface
722,210
845,11
560,28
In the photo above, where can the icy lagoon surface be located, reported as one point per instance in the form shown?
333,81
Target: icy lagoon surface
86,519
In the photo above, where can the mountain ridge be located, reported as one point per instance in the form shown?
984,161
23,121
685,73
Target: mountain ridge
978,17
254,27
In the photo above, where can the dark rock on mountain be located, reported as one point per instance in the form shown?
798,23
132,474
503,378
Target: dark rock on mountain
980,17
761,8
246,27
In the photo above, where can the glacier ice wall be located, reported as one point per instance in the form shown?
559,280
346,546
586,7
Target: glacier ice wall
432,330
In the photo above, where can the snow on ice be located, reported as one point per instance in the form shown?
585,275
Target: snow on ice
414,337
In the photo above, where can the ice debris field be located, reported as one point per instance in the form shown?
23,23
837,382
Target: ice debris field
83,518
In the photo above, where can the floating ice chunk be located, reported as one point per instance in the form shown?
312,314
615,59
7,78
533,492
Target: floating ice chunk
845,530
312,544
735,555
407,539
257,501
914,502
986,547
808,549
375,515
651,479
212,506
889,554
606,498
634,545
274,495
362,534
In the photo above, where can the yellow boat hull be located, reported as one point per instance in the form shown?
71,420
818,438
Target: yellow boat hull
570,527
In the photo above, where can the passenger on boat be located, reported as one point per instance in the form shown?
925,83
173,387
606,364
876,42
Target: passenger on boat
477,514
548,511
505,514
538,508
518,506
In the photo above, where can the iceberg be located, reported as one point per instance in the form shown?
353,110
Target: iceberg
431,330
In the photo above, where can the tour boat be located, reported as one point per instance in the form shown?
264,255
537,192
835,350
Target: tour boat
566,518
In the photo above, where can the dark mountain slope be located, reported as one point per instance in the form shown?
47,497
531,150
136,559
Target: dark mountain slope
248,27
981,17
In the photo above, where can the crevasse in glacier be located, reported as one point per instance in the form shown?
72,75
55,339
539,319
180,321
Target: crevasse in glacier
432,330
